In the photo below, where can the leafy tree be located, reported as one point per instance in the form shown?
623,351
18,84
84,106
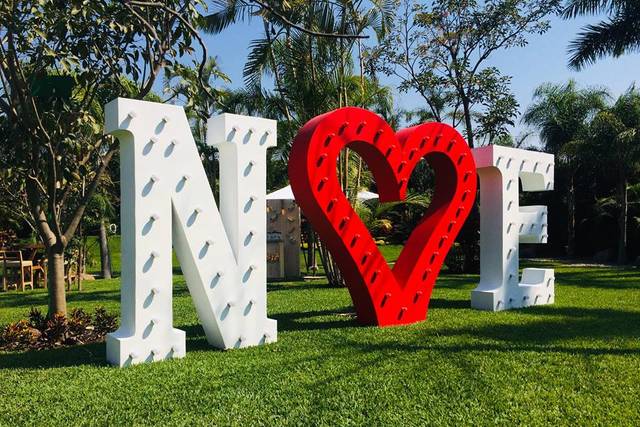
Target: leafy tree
311,49
60,61
614,139
395,220
617,35
562,113
307,49
440,50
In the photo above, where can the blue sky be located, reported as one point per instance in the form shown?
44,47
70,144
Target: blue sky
544,59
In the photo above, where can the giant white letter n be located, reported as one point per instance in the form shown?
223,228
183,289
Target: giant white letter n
166,199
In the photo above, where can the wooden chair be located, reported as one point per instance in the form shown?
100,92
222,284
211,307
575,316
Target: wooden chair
35,253
40,269
12,260
70,272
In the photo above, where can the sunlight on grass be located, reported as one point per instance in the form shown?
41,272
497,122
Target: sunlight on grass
576,362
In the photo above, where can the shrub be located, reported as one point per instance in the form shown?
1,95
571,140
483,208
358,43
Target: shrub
38,332
104,322
19,335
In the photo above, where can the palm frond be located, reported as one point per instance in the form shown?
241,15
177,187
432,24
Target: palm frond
226,12
576,8
257,64
615,37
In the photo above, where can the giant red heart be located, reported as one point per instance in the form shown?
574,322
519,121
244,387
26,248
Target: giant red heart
381,295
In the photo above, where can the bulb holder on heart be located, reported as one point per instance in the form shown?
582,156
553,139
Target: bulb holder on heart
383,296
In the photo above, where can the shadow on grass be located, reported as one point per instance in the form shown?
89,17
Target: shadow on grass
295,286
316,320
449,303
551,333
86,355
28,300
23,299
80,355
546,336
456,281
569,330
600,278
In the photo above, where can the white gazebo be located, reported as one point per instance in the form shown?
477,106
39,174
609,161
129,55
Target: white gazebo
285,193
283,219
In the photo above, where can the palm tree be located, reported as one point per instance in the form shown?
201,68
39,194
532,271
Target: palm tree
616,36
614,137
561,113
310,57
196,90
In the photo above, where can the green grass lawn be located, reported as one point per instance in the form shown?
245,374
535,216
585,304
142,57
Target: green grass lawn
390,252
576,362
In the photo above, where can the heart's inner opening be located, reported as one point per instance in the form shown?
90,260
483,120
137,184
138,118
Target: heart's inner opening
390,223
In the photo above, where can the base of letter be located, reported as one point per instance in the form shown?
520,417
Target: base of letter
536,288
126,350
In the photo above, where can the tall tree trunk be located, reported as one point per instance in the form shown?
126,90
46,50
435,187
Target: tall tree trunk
81,262
469,238
358,178
331,270
346,172
571,220
55,274
312,265
622,218
469,235
468,124
105,256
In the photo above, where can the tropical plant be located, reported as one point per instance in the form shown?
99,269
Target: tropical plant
308,48
607,208
394,220
441,50
562,113
614,139
617,35
195,88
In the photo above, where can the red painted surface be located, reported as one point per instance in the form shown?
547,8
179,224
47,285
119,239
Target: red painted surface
383,296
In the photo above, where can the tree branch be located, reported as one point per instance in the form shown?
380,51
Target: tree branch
302,29
79,212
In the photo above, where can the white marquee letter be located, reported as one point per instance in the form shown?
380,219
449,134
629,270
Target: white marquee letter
166,199
504,224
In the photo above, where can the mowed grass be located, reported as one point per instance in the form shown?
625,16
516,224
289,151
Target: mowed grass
576,362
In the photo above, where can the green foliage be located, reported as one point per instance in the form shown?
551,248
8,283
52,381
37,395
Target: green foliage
60,62
195,89
311,73
573,363
38,332
394,221
308,50
614,140
617,35
562,113
597,147
439,49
